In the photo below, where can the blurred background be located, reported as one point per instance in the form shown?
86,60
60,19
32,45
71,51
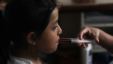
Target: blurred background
74,15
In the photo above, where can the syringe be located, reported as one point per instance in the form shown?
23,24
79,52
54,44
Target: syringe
75,40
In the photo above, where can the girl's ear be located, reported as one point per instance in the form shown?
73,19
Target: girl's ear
31,38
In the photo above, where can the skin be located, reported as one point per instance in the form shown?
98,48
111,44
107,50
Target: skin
102,38
2,5
46,43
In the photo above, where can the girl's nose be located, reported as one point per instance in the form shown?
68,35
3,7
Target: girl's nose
59,30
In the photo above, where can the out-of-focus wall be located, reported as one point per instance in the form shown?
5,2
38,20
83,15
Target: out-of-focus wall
103,1
70,23
68,2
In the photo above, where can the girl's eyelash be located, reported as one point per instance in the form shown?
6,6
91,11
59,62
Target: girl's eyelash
54,27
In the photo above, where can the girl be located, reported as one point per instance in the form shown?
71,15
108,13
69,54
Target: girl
33,30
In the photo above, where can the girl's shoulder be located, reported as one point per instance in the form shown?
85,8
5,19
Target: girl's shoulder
17,60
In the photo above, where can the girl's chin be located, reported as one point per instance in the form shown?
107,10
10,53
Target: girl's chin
52,51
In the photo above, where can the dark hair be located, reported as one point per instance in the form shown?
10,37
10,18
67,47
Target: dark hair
23,16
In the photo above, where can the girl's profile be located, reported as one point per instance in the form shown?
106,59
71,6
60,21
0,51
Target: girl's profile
31,29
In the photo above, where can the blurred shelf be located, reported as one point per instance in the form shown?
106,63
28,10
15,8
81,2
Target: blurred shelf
87,7
100,25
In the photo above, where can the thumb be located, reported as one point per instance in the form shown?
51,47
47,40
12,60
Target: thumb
97,36
97,39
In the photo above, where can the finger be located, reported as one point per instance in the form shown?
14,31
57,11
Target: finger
80,44
84,31
97,36
86,44
83,45
97,39
82,34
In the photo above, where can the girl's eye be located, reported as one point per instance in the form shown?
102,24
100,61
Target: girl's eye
54,27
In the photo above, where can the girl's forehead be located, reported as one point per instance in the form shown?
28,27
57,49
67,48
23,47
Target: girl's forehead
54,15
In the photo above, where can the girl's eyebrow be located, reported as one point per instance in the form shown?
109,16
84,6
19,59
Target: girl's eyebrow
55,22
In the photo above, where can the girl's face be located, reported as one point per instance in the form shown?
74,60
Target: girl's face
49,40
